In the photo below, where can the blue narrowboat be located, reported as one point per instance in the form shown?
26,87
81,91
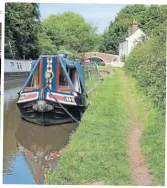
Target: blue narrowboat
56,90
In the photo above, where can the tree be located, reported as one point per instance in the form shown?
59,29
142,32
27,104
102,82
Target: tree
151,19
118,30
154,19
21,28
68,32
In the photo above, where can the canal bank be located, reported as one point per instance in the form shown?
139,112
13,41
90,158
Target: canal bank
98,151
102,151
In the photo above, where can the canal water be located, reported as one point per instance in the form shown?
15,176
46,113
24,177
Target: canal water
31,151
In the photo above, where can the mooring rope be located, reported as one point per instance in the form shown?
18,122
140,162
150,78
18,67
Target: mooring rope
94,87
63,107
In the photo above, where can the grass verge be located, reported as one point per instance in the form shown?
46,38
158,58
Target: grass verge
153,144
98,151
142,109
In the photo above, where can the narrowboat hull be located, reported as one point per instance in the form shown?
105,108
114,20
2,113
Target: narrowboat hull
56,90
53,117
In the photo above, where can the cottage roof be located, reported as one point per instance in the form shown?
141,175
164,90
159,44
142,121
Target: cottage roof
138,30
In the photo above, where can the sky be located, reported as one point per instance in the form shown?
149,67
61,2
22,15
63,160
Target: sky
98,14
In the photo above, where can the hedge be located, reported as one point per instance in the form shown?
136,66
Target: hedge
147,63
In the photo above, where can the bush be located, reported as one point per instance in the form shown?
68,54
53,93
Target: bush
147,63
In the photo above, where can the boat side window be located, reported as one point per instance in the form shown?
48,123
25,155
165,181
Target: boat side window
63,82
73,74
63,79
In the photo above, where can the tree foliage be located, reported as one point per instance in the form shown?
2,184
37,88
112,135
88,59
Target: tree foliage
67,32
147,63
118,30
21,28
151,19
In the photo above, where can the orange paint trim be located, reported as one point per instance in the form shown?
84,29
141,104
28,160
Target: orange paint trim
65,89
40,73
30,88
57,73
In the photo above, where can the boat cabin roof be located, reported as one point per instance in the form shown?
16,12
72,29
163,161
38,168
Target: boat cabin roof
64,63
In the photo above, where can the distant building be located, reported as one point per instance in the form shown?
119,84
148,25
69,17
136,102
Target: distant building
135,36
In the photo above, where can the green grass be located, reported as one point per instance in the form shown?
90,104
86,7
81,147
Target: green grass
107,67
98,150
153,137
153,144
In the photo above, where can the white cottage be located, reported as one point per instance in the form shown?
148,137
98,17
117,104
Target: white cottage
135,36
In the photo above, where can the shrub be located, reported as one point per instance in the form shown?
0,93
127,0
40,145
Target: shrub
147,63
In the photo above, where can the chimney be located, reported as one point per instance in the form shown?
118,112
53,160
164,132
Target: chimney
134,27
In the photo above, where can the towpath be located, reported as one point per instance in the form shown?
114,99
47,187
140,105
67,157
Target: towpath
139,170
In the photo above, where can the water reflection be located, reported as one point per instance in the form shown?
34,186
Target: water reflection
30,151
11,88
41,147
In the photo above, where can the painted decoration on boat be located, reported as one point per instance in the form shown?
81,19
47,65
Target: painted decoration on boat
25,97
49,74
56,90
